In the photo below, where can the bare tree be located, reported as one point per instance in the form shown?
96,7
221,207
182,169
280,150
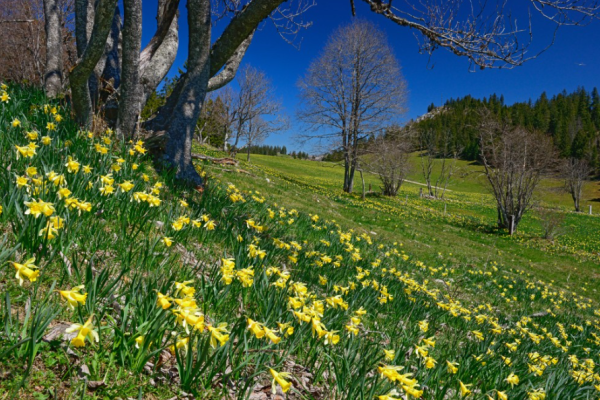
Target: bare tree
575,172
551,221
514,161
258,129
209,68
388,158
448,154
255,113
91,42
36,42
352,90
227,116
427,145
437,150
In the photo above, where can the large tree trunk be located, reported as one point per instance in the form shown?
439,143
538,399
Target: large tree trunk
53,75
346,172
131,90
226,139
351,177
576,195
106,78
89,52
193,89
158,56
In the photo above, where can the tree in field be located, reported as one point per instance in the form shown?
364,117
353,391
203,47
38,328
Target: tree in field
514,160
255,112
483,33
352,90
388,158
437,149
575,172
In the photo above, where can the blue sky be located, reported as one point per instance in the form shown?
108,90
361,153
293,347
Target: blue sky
573,61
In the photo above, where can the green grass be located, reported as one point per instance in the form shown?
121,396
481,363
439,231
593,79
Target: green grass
466,235
272,271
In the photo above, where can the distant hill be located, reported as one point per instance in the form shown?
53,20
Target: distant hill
572,119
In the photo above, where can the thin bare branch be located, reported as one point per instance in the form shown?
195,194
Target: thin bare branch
488,35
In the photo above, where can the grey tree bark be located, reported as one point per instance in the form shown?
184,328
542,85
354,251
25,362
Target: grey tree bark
178,151
106,78
109,66
130,101
53,75
231,66
84,24
158,56
89,52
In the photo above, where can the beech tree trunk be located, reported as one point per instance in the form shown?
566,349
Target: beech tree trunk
158,56
109,70
191,96
130,101
89,52
53,76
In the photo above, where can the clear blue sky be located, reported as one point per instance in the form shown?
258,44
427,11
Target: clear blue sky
573,61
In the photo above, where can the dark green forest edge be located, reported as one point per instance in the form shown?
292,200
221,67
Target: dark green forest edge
571,119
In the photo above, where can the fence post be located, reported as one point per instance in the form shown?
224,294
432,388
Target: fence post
590,210
444,208
420,192
406,201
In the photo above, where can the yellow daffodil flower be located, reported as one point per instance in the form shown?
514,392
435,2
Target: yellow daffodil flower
279,378
74,296
218,334
464,389
39,207
26,270
84,331
512,379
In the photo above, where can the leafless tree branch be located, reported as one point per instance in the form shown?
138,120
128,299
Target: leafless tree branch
488,35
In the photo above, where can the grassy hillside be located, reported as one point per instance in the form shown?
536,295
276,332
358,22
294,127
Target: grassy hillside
117,283
466,234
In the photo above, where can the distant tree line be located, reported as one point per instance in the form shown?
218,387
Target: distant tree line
268,150
301,155
571,119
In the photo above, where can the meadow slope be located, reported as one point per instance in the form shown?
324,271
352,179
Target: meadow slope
464,235
117,283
